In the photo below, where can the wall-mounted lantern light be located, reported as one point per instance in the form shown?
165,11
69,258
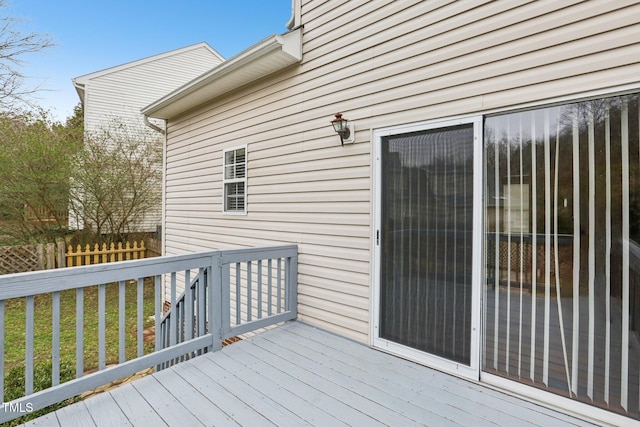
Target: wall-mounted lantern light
343,128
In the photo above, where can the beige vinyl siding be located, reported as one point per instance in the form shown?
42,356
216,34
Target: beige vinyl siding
380,63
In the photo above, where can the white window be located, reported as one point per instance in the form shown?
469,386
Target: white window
235,180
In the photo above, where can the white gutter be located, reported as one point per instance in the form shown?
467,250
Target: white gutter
264,58
152,126
80,89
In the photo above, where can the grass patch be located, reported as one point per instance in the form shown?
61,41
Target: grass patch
14,387
15,333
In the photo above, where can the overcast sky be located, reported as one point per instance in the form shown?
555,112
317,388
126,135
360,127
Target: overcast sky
91,35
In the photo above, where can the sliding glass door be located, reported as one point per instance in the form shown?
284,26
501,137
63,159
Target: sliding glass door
562,250
426,234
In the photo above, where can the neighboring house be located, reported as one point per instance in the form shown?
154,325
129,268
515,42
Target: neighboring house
113,97
484,222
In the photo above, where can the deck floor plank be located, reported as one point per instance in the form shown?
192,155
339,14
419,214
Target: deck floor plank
168,407
310,406
135,407
75,416
236,409
48,420
105,411
258,394
448,389
434,406
189,395
296,375
380,405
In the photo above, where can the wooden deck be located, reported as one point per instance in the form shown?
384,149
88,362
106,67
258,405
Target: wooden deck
296,375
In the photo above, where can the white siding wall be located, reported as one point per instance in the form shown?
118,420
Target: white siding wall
122,93
381,63
117,97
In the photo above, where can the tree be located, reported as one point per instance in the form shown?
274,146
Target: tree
116,181
14,45
35,162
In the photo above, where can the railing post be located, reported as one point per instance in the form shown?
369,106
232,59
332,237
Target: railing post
292,284
225,299
215,301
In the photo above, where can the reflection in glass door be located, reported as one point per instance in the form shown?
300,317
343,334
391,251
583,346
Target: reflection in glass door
426,222
562,250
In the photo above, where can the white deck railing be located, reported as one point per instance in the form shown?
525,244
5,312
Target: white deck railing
233,292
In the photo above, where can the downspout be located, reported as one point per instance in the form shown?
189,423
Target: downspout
154,127
146,121
292,21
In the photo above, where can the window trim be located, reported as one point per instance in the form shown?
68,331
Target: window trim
226,181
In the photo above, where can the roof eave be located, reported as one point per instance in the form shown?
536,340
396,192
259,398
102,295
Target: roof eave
264,58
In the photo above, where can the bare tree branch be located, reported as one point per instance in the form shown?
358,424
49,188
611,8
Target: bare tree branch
14,45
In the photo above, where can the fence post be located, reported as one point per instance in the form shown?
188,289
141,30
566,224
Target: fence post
61,254
41,259
51,256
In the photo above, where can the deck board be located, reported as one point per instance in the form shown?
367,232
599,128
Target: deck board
234,408
296,375
105,412
76,415
451,394
276,411
164,403
136,409
371,400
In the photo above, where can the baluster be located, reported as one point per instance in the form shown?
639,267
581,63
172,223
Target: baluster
28,380
188,303
55,342
79,332
238,295
279,285
201,304
249,302
173,319
121,321
158,314
269,287
102,360
140,316
259,289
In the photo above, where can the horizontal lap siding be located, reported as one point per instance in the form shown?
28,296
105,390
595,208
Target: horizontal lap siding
381,63
121,94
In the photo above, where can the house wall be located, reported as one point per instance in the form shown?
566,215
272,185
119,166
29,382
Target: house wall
380,63
119,95
115,97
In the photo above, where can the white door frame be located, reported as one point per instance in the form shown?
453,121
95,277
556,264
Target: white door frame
473,370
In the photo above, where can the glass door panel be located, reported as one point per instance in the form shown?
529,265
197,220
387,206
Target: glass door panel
562,250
